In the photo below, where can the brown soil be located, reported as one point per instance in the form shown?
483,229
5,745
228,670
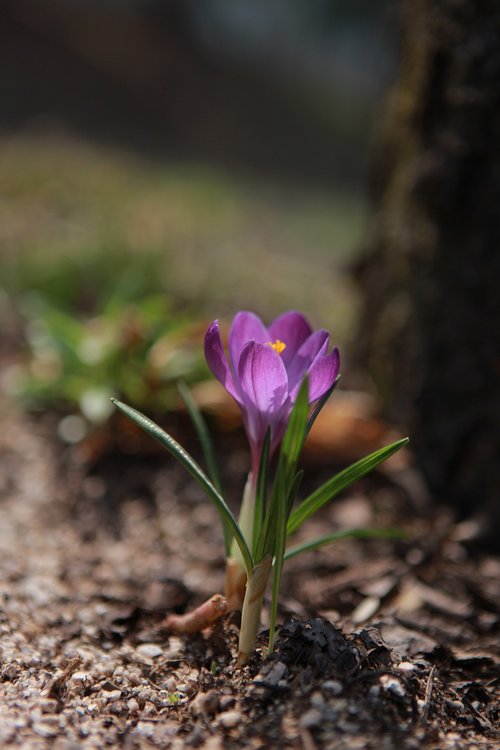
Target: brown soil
387,644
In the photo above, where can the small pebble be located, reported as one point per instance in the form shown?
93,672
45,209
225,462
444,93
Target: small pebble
229,719
311,718
82,679
275,674
132,705
108,685
103,669
456,705
227,702
113,695
134,678
333,687
149,650
392,685
48,705
317,700
206,703
145,728
44,729
407,666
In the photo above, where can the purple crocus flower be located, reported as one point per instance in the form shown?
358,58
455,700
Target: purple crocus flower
266,367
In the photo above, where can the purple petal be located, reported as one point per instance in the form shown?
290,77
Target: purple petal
245,327
216,359
321,375
292,329
316,345
264,389
263,379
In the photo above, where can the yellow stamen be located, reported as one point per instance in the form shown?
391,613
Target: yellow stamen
277,345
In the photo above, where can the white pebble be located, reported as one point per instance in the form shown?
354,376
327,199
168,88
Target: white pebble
406,666
44,729
393,685
229,719
149,650
132,705
145,729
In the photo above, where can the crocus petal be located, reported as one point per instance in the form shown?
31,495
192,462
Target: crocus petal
264,389
262,377
316,345
292,329
265,368
245,327
216,360
322,374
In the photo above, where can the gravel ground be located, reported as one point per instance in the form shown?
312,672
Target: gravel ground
93,558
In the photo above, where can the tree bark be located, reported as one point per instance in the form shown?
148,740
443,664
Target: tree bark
430,334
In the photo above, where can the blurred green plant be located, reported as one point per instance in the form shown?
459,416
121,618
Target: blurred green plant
72,214
100,251
135,348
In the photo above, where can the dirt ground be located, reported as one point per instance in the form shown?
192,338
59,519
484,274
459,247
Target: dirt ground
386,644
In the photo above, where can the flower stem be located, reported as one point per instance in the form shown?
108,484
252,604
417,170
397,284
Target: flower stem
252,606
245,520
236,573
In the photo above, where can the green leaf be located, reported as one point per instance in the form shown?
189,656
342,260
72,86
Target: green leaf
196,472
203,434
295,434
336,484
206,446
285,485
261,491
345,534
279,543
324,398
293,489
291,446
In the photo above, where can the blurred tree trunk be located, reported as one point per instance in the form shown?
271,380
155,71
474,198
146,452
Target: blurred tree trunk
431,277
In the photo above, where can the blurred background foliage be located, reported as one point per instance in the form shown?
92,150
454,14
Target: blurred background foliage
166,163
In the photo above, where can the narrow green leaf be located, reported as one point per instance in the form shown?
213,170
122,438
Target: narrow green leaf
203,435
207,448
264,543
279,543
320,405
293,489
291,446
293,440
285,486
345,534
196,472
336,484
261,491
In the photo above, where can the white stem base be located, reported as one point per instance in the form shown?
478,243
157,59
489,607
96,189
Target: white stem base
252,606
